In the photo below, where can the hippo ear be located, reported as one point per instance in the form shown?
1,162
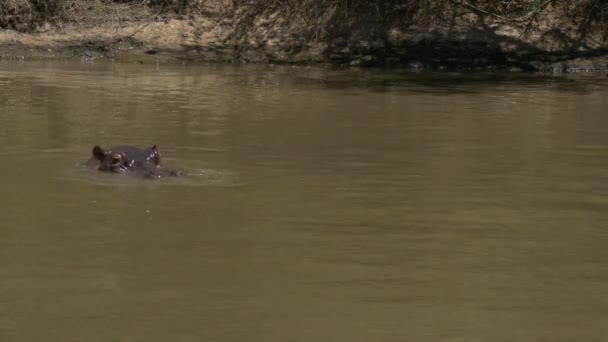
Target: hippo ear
155,155
98,153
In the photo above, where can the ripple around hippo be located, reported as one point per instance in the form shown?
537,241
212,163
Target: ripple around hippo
146,164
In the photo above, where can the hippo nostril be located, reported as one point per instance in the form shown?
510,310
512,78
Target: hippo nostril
118,168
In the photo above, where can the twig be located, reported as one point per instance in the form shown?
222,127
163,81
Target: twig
535,11
531,13
146,24
29,6
475,8
597,41
583,25
136,31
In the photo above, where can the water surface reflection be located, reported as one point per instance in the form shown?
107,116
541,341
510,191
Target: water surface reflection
338,205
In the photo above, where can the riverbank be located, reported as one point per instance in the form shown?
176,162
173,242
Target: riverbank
462,38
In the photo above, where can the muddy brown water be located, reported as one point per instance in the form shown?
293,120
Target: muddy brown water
323,205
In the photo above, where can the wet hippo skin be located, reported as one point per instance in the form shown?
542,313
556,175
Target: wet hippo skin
129,159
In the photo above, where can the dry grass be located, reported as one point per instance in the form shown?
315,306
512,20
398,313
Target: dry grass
95,12
315,19
318,19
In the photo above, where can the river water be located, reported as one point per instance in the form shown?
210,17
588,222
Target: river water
321,205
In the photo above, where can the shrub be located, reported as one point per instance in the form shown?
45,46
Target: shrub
26,14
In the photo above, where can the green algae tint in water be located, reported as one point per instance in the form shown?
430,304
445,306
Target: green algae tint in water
324,205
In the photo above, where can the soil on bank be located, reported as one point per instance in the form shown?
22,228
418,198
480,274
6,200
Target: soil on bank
529,35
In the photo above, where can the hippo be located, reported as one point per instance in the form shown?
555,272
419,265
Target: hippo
129,159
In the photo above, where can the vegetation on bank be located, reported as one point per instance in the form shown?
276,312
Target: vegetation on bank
318,18
471,34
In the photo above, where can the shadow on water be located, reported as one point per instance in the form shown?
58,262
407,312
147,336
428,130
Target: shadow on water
447,82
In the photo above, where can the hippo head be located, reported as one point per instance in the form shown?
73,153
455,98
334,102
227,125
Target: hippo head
111,161
129,159
121,159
